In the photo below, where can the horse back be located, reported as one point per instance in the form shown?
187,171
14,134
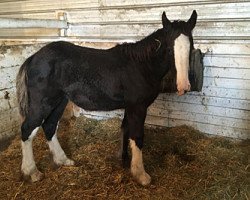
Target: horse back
93,79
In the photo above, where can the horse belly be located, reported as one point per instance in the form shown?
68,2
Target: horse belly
95,102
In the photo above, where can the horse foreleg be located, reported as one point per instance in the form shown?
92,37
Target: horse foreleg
123,152
136,119
137,167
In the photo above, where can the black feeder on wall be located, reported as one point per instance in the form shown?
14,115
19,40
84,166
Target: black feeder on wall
195,74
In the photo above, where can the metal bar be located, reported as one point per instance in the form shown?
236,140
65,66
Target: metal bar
32,23
31,40
129,6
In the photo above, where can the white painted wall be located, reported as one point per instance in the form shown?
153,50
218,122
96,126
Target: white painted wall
223,31
11,58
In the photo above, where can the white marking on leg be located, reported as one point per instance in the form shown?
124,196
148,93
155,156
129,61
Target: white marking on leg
59,156
181,55
137,167
28,162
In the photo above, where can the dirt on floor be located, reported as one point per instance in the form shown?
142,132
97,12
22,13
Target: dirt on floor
183,163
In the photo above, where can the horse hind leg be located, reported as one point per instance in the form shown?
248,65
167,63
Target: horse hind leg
50,126
59,156
29,130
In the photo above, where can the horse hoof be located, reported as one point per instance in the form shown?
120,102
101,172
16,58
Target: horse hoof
66,162
143,179
69,162
36,176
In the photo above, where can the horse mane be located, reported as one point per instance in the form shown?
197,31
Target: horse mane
144,49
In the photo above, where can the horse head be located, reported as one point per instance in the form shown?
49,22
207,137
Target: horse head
179,42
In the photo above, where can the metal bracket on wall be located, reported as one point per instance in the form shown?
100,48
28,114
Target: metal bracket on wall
62,16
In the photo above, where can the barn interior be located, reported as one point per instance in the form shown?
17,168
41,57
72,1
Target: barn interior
196,145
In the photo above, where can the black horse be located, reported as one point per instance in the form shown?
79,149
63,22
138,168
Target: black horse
126,76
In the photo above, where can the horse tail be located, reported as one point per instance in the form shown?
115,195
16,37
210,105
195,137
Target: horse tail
21,88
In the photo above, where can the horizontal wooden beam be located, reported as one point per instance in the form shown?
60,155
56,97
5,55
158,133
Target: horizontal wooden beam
32,23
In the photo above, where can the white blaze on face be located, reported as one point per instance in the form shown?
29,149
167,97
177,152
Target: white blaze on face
181,55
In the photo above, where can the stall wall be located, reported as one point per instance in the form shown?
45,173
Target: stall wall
222,32
11,57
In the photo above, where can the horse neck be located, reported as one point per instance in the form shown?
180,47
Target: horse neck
158,61
150,52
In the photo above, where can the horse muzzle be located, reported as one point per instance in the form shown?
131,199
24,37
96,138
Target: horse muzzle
183,87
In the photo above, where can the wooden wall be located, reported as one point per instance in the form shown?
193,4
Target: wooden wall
223,32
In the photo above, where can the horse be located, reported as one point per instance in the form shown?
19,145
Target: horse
127,76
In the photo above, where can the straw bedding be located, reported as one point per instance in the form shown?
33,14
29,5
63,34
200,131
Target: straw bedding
183,163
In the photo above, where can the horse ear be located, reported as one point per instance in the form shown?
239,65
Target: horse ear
192,21
165,21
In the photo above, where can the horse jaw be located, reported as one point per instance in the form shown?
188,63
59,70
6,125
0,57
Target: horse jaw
181,55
